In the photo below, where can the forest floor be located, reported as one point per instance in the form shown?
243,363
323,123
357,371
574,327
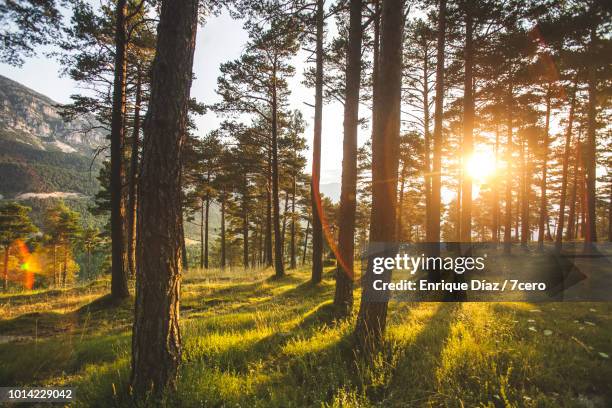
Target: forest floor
252,341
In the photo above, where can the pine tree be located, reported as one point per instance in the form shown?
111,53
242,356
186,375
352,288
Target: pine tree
256,83
15,224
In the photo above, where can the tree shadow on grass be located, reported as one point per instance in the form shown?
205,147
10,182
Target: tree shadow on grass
46,324
413,379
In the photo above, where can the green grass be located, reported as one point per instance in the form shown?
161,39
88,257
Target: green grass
251,341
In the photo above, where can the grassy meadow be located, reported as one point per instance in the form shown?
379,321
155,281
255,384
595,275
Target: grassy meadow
253,341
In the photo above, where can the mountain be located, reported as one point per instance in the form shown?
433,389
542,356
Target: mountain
41,156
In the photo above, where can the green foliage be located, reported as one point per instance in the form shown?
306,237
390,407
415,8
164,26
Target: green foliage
14,223
62,225
26,25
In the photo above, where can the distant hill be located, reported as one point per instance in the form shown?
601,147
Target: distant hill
41,156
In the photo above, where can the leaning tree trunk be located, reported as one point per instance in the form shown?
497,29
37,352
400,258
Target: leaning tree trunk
436,180
468,128
543,200
119,277
371,320
343,297
317,227
564,175
133,190
156,340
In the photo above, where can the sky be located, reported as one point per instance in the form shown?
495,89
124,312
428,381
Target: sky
221,39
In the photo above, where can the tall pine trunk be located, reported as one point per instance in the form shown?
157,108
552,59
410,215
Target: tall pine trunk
156,340
399,226
590,162
268,239
564,175
343,297
436,180
317,227
202,222
495,188
279,267
371,320
468,127
305,242
509,146
543,198
292,261
119,276
245,227
133,189
525,188
206,228
222,262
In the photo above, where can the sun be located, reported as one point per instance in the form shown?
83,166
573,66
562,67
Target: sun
481,166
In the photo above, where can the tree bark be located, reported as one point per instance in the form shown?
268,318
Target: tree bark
268,241
371,320
343,296
427,142
206,224
436,180
495,188
525,188
279,267
590,161
133,190
317,227
285,215
292,262
468,127
399,227
610,215
119,277
245,228
65,265
564,175
508,214
156,340
6,261
543,199
222,262
305,242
